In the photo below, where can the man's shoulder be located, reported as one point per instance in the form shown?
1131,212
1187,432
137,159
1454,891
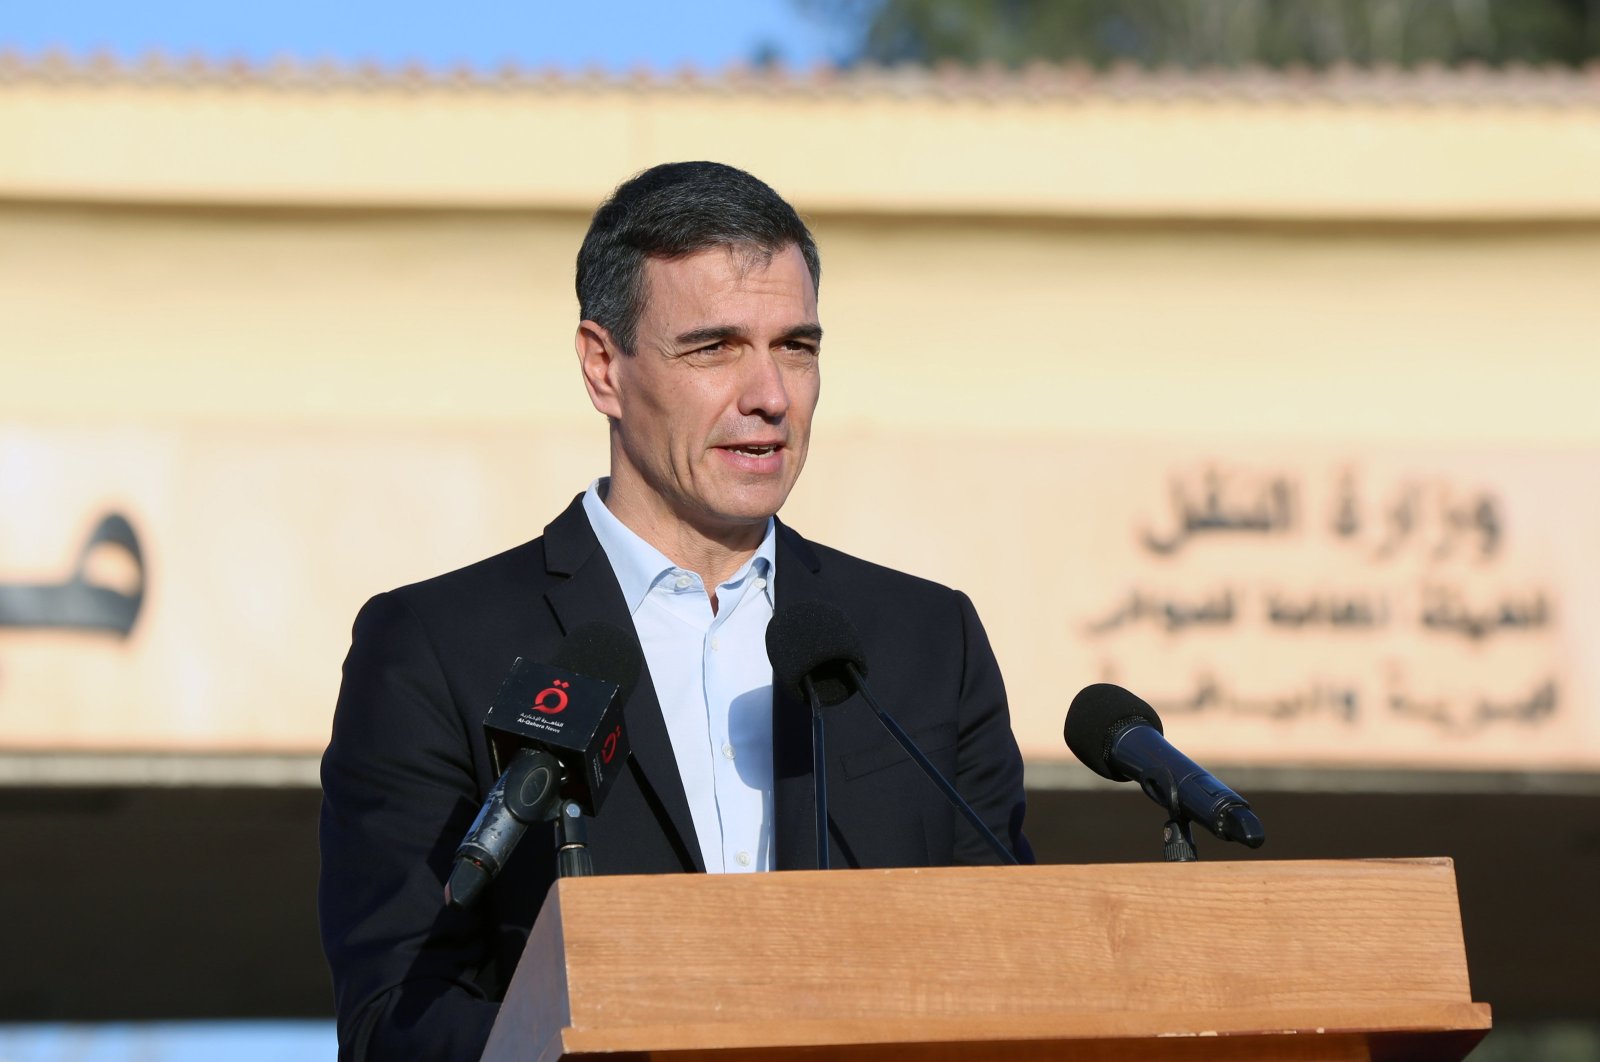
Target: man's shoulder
513,573
493,606
520,564
869,580
859,569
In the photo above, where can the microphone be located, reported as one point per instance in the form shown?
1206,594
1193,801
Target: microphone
814,642
817,656
810,646
556,735
1118,736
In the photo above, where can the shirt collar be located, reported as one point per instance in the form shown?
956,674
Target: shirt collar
638,564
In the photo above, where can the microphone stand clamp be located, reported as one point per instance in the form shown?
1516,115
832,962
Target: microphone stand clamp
1177,840
572,842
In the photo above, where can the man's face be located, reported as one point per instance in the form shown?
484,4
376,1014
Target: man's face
712,412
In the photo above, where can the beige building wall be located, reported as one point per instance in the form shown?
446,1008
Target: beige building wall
314,336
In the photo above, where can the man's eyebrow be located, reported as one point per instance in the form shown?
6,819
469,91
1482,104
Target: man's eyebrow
812,332
709,334
714,333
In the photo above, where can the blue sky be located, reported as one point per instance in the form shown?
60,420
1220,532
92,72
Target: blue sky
244,1041
614,34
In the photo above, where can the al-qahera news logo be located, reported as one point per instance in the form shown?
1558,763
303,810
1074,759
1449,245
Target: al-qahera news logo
552,700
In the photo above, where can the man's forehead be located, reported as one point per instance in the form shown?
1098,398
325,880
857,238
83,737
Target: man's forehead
737,260
721,269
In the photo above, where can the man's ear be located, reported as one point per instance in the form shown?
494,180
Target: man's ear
598,360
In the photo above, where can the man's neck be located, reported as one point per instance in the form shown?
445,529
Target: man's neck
715,555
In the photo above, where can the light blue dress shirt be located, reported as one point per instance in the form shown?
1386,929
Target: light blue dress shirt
713,680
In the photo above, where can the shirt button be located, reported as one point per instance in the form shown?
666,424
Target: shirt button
681,582
743,858
727,750
760,584
713,643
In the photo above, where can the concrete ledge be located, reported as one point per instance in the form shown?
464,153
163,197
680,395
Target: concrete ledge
1352,147
300,770
1291,779
159,769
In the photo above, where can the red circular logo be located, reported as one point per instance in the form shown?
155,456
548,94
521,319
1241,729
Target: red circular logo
551,699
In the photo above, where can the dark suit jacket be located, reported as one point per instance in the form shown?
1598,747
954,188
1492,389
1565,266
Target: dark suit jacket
408,767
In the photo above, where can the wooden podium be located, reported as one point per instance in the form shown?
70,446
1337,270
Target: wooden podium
1359,959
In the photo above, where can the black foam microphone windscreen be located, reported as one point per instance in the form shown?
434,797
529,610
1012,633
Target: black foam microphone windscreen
1099,714
601,651
816,640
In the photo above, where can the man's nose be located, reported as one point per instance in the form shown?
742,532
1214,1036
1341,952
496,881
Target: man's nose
763,390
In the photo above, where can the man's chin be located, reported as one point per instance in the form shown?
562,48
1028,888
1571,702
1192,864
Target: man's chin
746,511
742,519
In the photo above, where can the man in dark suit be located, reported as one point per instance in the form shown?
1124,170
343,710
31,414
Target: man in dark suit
700,343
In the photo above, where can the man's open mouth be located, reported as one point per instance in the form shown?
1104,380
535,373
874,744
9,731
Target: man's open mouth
756,451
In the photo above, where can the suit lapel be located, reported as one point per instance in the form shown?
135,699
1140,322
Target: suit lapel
793,795
591,593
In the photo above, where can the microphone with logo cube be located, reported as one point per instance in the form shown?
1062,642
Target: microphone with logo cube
558,743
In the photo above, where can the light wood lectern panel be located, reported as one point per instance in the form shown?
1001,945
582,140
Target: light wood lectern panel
1260,960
